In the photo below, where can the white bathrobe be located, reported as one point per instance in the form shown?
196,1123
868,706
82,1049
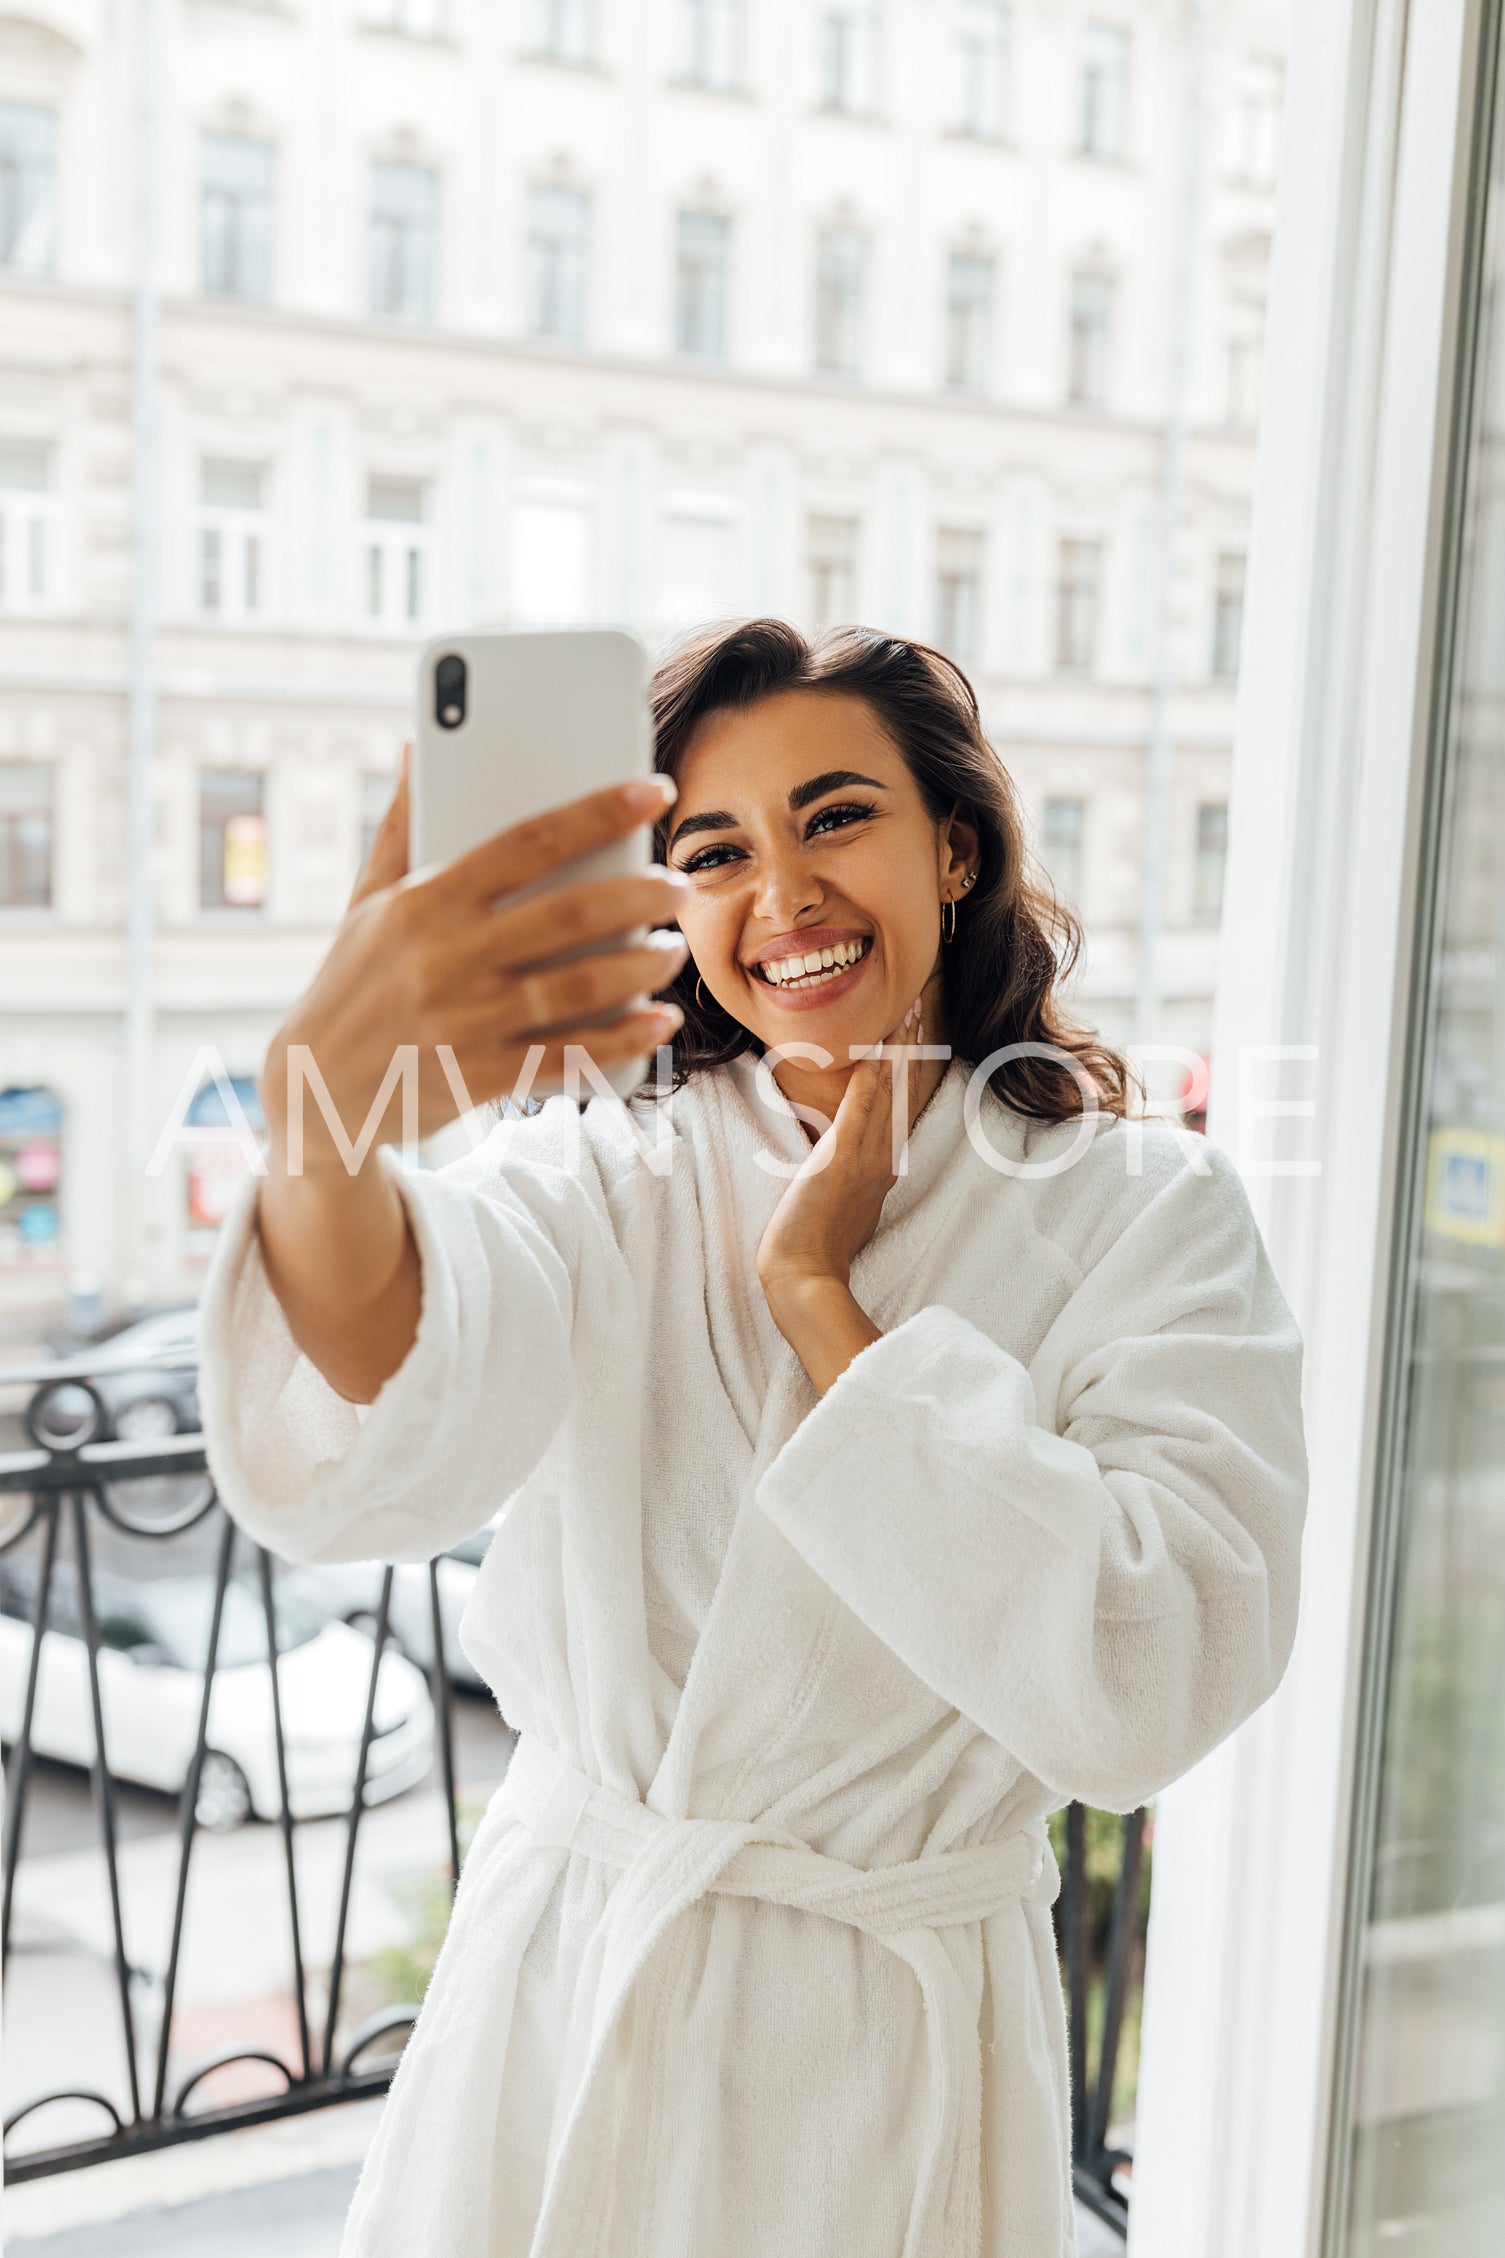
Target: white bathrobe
752,1952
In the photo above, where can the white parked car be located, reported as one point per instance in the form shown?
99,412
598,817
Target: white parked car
351,1590
153,1637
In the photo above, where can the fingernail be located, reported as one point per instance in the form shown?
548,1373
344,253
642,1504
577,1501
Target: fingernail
672,943
650,795
664,1018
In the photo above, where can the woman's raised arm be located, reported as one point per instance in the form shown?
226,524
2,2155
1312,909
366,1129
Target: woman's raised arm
421,963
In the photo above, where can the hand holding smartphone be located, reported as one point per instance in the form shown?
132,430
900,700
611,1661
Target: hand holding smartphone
511,725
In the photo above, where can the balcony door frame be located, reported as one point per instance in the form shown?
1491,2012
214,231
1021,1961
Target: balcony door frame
1259,1851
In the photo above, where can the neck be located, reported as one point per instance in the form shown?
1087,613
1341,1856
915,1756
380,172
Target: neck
822,1088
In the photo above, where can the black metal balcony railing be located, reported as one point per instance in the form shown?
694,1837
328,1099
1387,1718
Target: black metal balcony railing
52,1496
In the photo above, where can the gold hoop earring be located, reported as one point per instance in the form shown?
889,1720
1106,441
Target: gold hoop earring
699,998
948,924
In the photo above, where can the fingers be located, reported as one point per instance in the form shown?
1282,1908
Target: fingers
532,849
388,859
537,1002
571,917
497,1066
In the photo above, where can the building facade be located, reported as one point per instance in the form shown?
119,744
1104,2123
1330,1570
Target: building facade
327,324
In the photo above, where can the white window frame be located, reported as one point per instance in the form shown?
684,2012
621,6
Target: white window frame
254,232
970,323
710,43
959,593
28,214
31,529
416,302
982,41
241,542
1249,1929
395,555
1090,387
565,30
833,565
847,56
851,266
718,293
1104,84
557,267
1259,111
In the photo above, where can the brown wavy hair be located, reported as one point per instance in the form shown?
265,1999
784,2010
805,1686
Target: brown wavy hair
1016,941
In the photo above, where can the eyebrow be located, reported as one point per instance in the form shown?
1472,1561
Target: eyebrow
813,788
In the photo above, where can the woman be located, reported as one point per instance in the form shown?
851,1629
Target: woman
864,1498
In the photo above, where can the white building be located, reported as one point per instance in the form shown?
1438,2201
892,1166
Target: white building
324,323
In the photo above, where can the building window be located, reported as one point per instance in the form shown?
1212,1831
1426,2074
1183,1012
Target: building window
397,554
1227,615
702,284
831,549
848,56
1246,352
31,1173
840,287
28,529
982,55
25,835
971,279
1261,101
711,41
217,1160
1211,860
697,562
1103,105
404,241
232,839
1061,837
558,242
1090,340
234,541
553,578
567,29
958,591
1077,596
418,19
376,794
235,216
28,166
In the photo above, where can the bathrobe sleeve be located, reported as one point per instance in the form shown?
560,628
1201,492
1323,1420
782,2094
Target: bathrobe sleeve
463,1420
1103,1577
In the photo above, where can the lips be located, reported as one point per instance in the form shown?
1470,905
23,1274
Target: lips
816,989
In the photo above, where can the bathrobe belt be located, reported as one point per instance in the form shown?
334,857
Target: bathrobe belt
667,1865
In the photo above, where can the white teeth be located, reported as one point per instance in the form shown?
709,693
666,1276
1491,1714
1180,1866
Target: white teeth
817,965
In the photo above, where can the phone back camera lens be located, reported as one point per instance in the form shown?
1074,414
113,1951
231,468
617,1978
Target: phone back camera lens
449,691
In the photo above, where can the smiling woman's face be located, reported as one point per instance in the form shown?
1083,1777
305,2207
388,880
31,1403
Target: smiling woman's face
804,835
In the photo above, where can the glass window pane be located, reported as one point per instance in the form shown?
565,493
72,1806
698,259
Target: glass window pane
1425,2136
28,159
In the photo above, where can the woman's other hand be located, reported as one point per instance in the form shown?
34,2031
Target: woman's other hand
831,1209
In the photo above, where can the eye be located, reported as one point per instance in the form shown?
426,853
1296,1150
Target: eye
845,812
706,859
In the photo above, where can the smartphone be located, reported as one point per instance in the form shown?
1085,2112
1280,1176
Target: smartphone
510,724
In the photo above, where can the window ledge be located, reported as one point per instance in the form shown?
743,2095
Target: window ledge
733,91
587,65
1111,161
849,117
444,40
974,137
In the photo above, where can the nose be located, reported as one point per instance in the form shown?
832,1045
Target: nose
786,887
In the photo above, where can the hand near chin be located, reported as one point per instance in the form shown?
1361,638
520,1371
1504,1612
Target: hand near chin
830,1211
